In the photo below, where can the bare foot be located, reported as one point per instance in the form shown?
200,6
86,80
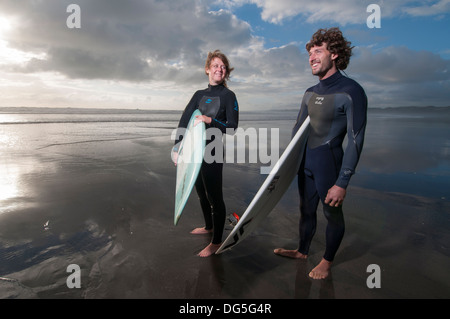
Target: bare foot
290,253
322,270
209,250
201,231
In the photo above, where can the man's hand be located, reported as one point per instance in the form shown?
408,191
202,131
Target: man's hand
335,196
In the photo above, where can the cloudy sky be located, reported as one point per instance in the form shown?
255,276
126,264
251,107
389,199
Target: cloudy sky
150,54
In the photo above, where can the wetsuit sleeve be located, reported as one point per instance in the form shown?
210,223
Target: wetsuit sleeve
229,122
184,120
356,125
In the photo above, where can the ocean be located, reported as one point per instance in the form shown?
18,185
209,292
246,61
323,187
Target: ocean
95,188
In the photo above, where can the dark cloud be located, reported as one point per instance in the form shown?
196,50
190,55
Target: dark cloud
154,42
122,40
400,64
398,76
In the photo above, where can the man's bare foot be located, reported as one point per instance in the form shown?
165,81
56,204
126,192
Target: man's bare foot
322,270
209,250
290,253
201,231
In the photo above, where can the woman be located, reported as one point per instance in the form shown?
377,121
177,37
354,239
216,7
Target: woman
220,110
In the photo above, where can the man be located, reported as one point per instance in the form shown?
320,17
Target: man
337,106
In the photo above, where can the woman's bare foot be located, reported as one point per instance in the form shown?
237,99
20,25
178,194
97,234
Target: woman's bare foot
209,250
290,253
201,231
322,270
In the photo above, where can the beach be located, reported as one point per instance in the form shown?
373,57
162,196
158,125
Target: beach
96,189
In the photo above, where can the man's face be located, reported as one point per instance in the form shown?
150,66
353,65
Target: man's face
322,61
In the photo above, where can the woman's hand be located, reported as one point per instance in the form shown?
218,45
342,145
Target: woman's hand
202,118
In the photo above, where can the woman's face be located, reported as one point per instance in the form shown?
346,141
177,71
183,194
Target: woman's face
217,71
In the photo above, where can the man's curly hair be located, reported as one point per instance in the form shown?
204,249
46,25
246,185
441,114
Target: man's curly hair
336,43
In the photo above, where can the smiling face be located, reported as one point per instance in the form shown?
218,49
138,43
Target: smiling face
322,61
217,71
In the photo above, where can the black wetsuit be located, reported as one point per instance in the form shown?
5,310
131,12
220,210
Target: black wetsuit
337,107
219,103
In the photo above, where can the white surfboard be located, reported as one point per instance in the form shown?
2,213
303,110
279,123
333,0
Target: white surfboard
190,159
271,191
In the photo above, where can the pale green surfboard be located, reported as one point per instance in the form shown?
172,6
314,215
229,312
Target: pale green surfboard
190,159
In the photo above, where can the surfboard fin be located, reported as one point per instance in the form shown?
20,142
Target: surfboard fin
233,219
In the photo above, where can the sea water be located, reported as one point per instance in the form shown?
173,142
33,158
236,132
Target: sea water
406,150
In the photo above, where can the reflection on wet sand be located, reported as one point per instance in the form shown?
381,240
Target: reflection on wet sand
107,206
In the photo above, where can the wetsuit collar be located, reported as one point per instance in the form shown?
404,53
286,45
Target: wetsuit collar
213,87
330,80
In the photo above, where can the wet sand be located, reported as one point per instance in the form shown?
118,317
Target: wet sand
109,208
